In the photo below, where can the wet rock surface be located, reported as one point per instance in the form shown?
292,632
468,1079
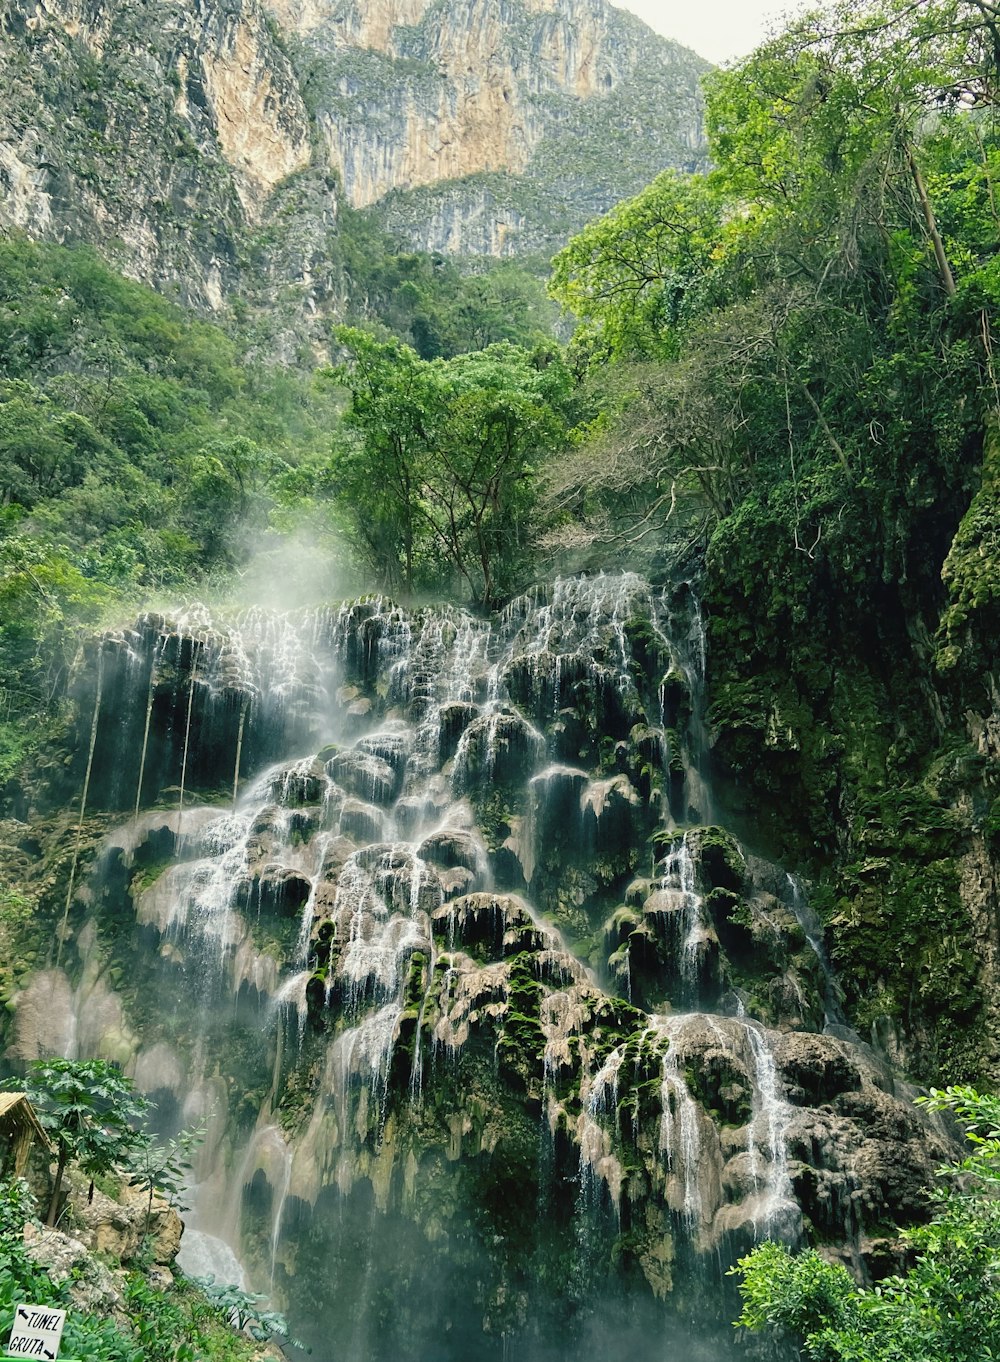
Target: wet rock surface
424,975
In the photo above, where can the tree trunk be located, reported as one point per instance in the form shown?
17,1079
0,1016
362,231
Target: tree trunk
835,444
50,1219
944,269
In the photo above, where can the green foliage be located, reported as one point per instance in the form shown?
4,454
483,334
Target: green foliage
431,304
138,451
970,624
89,1110
17,1208
903,942
141,452
944,1306
133,433
637,274
163,1168
242,1309
183,1324
197,1322
437,461
86,1336
800,390
813,346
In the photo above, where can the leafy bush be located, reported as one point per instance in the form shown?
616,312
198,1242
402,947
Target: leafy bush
945,1306
181,1324
90,1111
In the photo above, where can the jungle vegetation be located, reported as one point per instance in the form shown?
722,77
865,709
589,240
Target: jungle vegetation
943,1305
798,343
782,369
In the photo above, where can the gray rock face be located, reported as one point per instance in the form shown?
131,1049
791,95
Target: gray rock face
65,1258
158,133
422,989
515,121
120,1229
203,147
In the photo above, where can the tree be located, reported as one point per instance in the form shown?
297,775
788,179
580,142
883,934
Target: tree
162,1168
227,494
436,461
632,276
813,317
945,1306
844,109
89,1109
378,468
502,418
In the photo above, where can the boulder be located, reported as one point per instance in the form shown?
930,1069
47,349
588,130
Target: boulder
119,1228
816,1069
366,776
452,847
361,821
92,1287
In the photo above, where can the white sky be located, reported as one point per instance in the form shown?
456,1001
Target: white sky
717,29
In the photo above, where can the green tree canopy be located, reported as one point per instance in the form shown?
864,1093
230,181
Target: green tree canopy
635,276
945,1306
818,308
437,460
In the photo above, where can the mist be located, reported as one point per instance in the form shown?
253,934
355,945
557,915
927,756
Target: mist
300,568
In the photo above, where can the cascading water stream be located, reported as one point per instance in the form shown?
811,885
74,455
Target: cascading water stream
187,731
812,929
679,1135
239,750
679,875
145,728
74,864
414,806
768,1130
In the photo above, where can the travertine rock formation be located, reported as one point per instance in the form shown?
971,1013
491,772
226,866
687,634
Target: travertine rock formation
439,947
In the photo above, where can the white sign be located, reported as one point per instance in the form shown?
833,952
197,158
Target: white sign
36,1332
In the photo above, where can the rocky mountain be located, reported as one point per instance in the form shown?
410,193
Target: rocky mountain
206,146
514,120
172,137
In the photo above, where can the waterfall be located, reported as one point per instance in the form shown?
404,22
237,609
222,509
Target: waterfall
767,1131
812,930
187,730
679,1135
145,729
74,863
403,916
239,751
680,875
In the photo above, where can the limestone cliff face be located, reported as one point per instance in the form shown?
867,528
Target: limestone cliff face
259,118
571,103
202,144
155,131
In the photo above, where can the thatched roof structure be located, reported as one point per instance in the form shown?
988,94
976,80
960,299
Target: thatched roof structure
20,1128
